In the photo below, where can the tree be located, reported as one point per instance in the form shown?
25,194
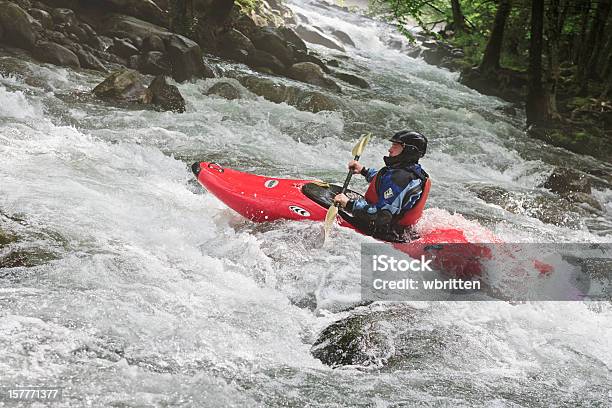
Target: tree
492,54
537,101
458,18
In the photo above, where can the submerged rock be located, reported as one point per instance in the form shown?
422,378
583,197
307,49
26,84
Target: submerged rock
18,27
313,74
343,37
166,96
352,79
225,90
564,181
124,86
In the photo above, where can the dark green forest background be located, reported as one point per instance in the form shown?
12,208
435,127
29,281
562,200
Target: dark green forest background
555,56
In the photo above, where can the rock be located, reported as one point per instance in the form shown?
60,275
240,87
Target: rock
133,28
53,53
185,58
125,86
415,52
315,37
246,26
506,84
225,90
565,181
584,198
79,32
63,16
145,10
267,39
87,60
316,102
165,96
123,48
24,4
301,56
434,56
153,63
352,79
235,46
18,26
262,59
312,74
153,43
42,16
343,37
294,96
333,63
290,36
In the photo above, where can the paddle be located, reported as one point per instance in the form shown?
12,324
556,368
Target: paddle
333,209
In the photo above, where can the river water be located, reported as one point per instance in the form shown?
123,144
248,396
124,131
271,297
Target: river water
156,294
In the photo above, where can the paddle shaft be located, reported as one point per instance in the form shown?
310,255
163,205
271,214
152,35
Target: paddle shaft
348,178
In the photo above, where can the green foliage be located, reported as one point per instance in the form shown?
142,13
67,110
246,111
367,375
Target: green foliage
248,6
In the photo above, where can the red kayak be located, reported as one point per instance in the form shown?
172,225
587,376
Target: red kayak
263,199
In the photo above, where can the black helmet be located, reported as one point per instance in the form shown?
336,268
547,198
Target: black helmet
414,142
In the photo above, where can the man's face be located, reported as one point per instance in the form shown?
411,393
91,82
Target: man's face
395,149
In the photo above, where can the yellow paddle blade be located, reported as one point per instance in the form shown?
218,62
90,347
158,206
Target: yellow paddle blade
330,217
361,144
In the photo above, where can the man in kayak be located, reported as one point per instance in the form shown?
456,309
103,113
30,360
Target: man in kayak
397,192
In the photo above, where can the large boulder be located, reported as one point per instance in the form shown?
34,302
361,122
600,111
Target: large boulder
18,26
565,181
268,40
153,43
118,25
88,60
343,37
260,59
289,35
301,56
145,10
53,53
317,102
123,48
43,17
185,57
63,16
165,96
235,46
224,89
124,86
313,74
316,37
153,63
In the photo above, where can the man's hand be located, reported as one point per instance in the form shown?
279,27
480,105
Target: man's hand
355,166
341,199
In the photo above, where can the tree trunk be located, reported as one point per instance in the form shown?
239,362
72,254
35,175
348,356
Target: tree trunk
579,48
458,18
537,101
597,27
492,54
603,11
556,13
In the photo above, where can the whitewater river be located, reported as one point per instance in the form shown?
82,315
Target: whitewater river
150,292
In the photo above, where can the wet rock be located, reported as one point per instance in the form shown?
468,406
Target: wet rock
435,56
585,199
312,74
53,53
278,93
317,102
124,86
88,60
260,59
153,43
153,63
166,96
245,25
235,46
564,181
301,56
225,90
333,63
185,57
42,16
145,10
316,37
133,28
6,238
268,40
123,48
63,16
343,37
18,26
506,84
290,36
352,79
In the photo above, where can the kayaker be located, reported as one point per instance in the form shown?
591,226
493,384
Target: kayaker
397,193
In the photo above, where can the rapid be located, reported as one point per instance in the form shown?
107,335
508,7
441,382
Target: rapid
154,293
